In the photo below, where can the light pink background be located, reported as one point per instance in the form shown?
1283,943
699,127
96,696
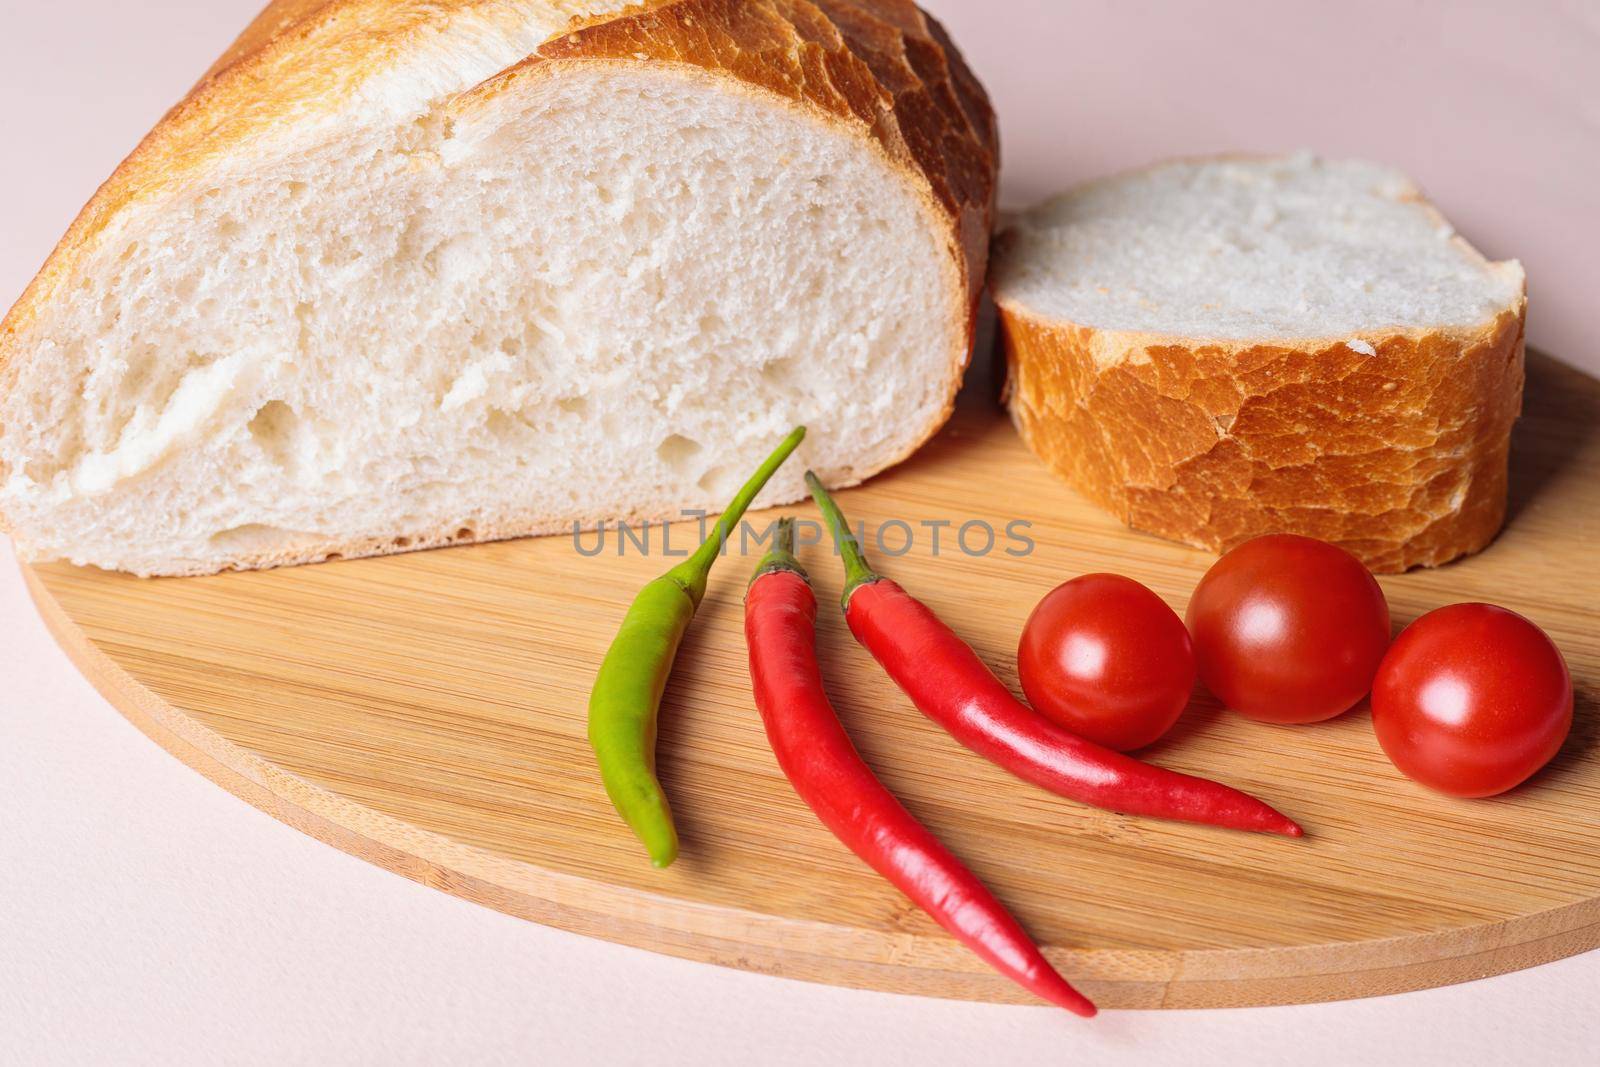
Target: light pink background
146,916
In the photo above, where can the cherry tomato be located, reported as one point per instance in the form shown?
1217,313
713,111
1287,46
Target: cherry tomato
1288,629
1105,657
1471,700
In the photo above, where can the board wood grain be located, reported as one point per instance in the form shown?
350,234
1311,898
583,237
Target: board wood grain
426,712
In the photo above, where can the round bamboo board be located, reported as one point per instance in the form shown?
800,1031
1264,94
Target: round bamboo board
426,712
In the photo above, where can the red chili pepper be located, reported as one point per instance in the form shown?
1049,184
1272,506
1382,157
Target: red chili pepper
828,773
952,686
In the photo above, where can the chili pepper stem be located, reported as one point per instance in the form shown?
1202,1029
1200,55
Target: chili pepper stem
856,571
780,557
692,573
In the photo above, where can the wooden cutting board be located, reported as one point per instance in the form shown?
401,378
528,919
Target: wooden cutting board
426,712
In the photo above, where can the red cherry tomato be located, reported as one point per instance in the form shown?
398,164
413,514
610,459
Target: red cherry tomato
1105,657
1288,629
1471,700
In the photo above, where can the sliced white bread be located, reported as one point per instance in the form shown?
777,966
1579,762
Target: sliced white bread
399,274
1220,348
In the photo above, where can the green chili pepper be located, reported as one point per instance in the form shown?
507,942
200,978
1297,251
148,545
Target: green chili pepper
627,690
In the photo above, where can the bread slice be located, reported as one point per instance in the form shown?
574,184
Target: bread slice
399,274
1220,348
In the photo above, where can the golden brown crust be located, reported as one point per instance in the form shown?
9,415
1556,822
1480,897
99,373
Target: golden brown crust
1400,456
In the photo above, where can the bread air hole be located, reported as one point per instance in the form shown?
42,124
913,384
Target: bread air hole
272,427
678,451
255,538
718,481
502,425
781,372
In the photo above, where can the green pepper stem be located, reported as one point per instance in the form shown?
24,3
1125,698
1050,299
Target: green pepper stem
693,572
781,556
856,571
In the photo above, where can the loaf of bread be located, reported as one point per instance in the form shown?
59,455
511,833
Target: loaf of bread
403,273
1222,348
